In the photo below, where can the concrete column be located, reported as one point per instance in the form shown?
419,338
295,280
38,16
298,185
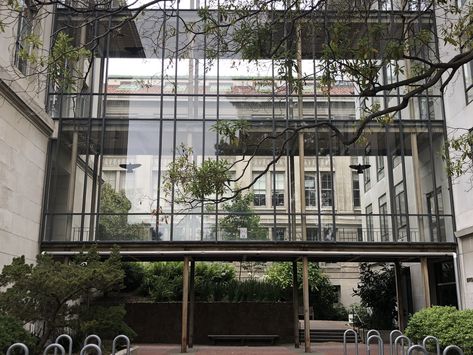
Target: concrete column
424,269
295,303
185,300
305,295
399,296
191,304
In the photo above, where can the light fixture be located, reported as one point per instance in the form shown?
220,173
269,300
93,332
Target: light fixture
129,166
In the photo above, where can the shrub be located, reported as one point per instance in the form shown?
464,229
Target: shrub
11,331
447,324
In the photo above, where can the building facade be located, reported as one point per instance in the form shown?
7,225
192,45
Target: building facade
151,92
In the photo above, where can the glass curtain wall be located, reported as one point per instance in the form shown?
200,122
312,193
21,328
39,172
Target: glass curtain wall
151,90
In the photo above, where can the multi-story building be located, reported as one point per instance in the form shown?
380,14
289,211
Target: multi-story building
386,198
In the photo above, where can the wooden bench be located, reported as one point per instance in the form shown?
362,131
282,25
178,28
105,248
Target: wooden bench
244,338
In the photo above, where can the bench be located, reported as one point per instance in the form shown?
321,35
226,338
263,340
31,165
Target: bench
244,338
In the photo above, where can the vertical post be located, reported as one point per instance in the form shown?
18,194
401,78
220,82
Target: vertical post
305,295
295,304
185,299
191,304
424,269
71,187
399,296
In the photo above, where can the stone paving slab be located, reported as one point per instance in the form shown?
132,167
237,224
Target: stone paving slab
317,348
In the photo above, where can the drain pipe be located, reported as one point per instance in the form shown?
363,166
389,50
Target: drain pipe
457,280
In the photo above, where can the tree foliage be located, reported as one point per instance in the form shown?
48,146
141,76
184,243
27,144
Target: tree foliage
57,295
113,223
377,291
241,215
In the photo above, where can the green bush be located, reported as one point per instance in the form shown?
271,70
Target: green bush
447,324
11,331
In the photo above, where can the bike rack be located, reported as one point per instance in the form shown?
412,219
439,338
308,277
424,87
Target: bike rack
380,344
69,340
391,340
345,341
431,337
127,340
18,345
93,336
91,346
54,346
452,347
398,340
418,348
370,332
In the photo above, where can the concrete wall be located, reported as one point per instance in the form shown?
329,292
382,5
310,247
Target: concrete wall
24,131
161,322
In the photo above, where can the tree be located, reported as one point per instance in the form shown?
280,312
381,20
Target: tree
377,291
113,224
58,295
241,216
401,39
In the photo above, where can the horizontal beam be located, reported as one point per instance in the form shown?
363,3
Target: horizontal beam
263,251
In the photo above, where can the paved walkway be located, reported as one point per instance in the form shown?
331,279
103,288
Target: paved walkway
317,348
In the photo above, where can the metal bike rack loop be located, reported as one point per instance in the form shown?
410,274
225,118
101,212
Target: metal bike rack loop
91,346
380,344
417,347
391,340
18,345
398,341
127,341
452,347
93,336
69,340
431,337
54,346
345,341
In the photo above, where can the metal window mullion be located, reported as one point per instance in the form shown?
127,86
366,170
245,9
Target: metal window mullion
161,111
204,112
103,114
89,132
171,236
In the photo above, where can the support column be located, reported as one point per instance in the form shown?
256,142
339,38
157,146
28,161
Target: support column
185,300
399,296
424,269
305,295
191,304
295,304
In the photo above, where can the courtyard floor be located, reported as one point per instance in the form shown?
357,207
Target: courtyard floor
317,348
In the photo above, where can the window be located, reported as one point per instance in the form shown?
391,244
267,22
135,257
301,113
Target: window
279,233
310,190
437,226
328,233
383,218
25,29
468,79
400,204
259,190
312,233
326,179
366,173
278,192
380,166
369,223
356,189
